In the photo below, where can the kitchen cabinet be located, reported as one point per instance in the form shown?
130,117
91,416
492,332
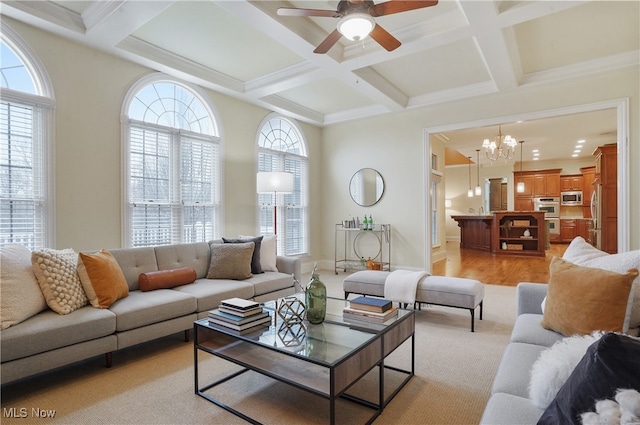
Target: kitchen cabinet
571,182
588,176
546,184
537,184
606,175
568,230
582,228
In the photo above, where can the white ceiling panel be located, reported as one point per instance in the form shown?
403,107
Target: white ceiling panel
441,68
201,32
452,51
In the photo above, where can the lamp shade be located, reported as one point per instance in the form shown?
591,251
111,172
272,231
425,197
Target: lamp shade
273,181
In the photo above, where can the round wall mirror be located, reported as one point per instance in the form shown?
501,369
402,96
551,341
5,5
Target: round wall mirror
366,187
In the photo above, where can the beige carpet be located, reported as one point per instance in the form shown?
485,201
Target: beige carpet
154,384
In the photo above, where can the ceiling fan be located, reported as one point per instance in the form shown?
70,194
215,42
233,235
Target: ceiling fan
356,20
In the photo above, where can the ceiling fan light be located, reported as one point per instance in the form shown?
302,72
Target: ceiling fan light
356,26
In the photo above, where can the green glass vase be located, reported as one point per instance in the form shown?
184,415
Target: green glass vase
316,299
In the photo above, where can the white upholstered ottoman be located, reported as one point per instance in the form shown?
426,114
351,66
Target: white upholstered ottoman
438,290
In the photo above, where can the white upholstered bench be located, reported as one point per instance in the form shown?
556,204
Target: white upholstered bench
438,290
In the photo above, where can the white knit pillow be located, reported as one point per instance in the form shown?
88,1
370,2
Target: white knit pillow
21,296
57,274
555,364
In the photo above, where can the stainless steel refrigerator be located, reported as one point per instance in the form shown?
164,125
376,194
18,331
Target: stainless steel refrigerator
595,233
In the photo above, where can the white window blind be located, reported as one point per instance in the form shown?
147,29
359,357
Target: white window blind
23,170
173,192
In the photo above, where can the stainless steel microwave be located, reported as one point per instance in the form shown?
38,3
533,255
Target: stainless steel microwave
571,198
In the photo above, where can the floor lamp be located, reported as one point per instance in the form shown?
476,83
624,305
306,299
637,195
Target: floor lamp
274,182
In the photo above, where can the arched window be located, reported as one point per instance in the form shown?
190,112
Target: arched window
281,148
172,166
26,146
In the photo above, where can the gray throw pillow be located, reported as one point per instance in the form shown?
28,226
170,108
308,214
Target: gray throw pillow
256,268
231,261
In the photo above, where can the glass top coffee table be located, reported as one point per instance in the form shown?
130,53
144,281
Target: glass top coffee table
323,359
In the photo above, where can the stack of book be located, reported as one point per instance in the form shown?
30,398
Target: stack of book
370,309
239,315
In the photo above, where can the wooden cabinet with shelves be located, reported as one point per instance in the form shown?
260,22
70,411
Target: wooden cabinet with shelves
509,233
571,182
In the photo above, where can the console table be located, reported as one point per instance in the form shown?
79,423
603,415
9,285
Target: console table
353,247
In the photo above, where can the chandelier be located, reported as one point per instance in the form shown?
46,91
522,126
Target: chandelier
500,147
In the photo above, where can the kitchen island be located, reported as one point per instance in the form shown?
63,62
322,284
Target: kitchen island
505,232
475,231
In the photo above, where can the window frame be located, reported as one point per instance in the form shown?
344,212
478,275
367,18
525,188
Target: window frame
176,202
284,205
43,102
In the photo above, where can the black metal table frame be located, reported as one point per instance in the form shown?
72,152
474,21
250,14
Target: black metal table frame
379,407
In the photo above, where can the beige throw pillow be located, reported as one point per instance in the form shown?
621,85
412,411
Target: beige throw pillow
57,274
231,261
20,294
583,254
581,300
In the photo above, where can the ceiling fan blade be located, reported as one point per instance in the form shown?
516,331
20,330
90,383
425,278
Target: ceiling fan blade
397,6
289,11
328,42
385,39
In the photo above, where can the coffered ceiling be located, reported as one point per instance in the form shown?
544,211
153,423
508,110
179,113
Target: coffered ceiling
453,51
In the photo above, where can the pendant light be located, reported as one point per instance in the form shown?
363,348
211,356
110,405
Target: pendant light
478,188
520,185
470,191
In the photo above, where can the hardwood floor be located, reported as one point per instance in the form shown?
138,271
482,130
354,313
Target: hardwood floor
496,269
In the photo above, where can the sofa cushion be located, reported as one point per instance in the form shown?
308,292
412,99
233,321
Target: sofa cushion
513,376
133,261
20,294
554,366
270,282
583,299
231,261
583,254
268,253
57,274
166,279
609,364
209,292
194,255
256,267
528,329
143,308
49,330
509,409
101,278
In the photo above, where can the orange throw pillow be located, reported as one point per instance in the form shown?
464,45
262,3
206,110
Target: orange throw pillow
581,300
166,279
102,278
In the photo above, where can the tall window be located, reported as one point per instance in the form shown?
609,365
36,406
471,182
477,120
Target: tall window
281,148
173,166
26,105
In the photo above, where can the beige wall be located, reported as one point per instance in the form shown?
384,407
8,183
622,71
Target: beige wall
90,87
395,146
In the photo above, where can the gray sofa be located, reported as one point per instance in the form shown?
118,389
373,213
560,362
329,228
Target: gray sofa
49,340
509,402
